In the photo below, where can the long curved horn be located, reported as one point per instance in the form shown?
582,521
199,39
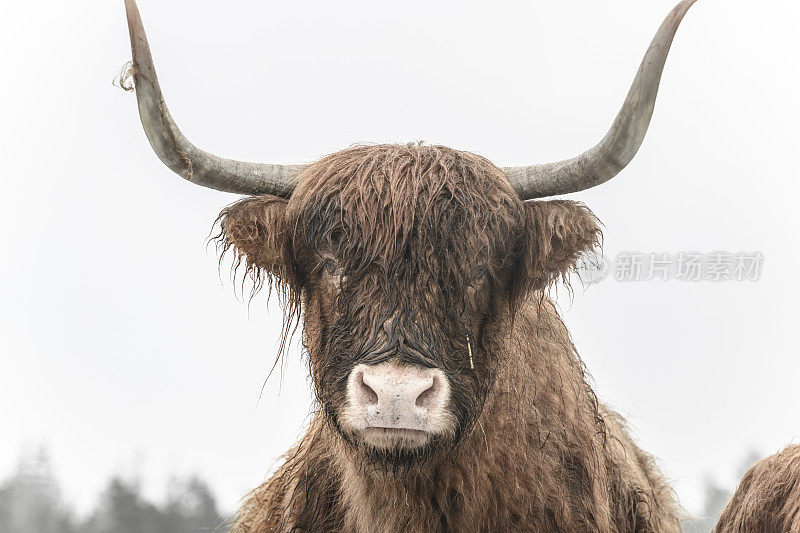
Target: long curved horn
619,146
177,152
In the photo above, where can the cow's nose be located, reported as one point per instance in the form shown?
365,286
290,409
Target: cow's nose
394,396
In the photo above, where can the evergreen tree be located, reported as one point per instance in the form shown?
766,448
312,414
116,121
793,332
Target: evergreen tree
191,507
31,500
123,510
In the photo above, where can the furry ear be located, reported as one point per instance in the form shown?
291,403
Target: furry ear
256,228
556,234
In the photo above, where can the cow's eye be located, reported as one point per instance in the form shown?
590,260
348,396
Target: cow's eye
331,266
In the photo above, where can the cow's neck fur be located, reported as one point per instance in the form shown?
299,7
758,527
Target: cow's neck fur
541,456
503,470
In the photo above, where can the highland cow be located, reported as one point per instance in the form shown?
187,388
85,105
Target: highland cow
768,498
450,396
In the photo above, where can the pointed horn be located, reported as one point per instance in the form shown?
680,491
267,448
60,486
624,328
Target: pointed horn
177,152
619,146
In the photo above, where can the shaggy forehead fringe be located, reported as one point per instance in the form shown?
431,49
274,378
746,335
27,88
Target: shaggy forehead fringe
384,192
421,217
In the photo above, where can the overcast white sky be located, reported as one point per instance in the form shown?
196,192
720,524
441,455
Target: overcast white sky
120,348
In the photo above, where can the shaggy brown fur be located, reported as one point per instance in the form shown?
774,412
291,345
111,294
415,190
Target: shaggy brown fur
401,253
768,499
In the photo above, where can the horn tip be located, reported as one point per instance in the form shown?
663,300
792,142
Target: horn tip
685,5
134,19
139,46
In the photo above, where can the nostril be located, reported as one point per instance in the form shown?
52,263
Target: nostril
365,392
428,397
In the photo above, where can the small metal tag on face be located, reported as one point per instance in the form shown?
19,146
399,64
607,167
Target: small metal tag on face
469,350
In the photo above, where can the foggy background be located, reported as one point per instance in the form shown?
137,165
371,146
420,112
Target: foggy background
124,350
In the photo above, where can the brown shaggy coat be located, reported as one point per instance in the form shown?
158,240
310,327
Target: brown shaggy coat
436,242
768,498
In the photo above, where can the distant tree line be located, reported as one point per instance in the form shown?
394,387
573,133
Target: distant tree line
31,501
